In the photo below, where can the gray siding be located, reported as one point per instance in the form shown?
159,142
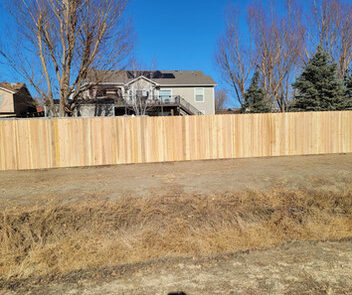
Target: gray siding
188,93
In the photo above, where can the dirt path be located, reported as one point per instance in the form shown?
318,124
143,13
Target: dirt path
297,268
202,177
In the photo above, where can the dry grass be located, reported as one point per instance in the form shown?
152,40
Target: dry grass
93,234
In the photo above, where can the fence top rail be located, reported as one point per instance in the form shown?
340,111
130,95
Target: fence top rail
135,117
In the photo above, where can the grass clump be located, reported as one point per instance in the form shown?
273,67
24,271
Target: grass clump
92,234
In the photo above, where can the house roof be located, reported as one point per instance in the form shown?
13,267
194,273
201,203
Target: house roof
12,87
172,78
141,77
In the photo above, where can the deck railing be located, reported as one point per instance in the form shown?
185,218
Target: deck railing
163,100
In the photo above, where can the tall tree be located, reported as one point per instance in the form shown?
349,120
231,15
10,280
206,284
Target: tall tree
348,91
274,46
319,88
330,28
279,41
255,98
234,56
59,41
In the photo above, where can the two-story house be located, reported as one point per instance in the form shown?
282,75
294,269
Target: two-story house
16,101
162,93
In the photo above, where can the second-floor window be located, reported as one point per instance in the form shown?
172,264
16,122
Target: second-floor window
165,94
100,93
199,94
142,93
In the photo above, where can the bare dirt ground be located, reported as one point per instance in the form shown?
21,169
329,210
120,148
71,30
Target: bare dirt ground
295,268
326,172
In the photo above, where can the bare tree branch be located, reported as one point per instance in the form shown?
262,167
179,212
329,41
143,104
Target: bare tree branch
331,27
70,38
220,99
274,47
141,94
279,42
234,60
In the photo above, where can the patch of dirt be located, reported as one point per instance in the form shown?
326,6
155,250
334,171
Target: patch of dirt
294,268
328,172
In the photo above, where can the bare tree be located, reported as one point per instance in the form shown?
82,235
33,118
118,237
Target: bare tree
279,43
331,28
141,97
220,99
274,47
234,59
59,41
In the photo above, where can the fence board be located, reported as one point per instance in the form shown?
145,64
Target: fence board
70,142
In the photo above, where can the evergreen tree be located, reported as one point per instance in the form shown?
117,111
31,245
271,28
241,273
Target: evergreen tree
348,91
255,98
319,88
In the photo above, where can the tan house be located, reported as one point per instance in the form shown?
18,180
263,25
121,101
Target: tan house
16,101
165,92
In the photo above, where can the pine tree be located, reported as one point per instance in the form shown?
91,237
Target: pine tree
318,87
348,91
255,98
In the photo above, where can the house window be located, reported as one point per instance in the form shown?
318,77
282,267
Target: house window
101,93
165,94
142,93
199,94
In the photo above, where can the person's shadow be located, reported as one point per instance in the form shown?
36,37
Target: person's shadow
177,293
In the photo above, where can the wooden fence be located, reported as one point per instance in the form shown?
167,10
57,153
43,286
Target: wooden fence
69,142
